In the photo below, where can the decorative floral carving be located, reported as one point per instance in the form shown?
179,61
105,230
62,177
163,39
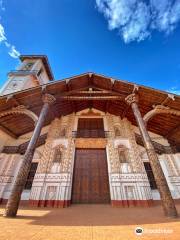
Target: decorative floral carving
48,98
131,98
67,151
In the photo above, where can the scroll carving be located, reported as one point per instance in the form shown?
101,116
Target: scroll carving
160,109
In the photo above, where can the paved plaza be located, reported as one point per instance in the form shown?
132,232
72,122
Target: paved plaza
89,222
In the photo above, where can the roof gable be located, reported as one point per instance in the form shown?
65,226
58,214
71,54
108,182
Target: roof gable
161,124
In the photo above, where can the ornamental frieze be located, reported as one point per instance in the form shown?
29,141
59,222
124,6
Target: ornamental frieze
128,177
60,177
6,179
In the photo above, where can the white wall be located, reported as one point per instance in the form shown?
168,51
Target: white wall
174,183
24,82
4,139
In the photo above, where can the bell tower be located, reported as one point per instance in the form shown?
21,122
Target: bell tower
34,70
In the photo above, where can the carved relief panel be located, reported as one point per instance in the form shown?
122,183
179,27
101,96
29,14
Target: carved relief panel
59,146
122,134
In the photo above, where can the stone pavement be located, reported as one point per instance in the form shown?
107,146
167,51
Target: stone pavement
88,222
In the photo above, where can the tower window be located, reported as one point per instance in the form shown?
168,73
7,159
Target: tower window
28,66
117,131
14,85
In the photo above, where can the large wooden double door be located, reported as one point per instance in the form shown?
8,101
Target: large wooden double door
90,181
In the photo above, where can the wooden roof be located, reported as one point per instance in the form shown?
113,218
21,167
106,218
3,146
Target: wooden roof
163,124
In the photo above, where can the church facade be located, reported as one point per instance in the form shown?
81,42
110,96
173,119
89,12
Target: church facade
88,143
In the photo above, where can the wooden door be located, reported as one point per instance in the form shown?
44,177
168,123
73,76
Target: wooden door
90,181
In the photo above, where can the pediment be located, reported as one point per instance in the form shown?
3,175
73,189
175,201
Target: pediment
90,112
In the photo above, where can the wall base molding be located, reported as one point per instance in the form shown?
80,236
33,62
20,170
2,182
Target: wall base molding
22,202
50,203
132,203
67,203
158,202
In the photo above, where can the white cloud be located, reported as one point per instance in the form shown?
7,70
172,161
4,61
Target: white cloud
136,19
174,90
13,52
3,39
2,33
7,44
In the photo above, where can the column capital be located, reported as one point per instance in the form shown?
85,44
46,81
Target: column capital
131,98
48,98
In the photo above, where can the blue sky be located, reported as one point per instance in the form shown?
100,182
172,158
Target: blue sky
134,40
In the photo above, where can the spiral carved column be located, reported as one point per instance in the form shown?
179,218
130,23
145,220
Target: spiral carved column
15,196
167,200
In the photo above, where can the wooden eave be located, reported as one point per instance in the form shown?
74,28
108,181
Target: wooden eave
162,124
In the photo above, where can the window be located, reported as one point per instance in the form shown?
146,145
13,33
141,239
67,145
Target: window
31,175
117,131
150,175
123,154
62,133
28,66
39,72
57,155
14,84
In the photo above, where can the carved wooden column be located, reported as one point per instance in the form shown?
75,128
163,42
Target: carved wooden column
15,196
167,200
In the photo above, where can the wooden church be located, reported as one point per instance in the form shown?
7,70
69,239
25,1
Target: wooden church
87,139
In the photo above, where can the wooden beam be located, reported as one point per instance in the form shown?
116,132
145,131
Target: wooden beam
125,112
7,131
172,131
12,98
108,102
67,93
16,102
90,85
69,89
107,106
90,79
101,90
77,98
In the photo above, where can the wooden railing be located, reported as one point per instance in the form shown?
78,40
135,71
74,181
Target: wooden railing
159,148
22,72
90,133
22,147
